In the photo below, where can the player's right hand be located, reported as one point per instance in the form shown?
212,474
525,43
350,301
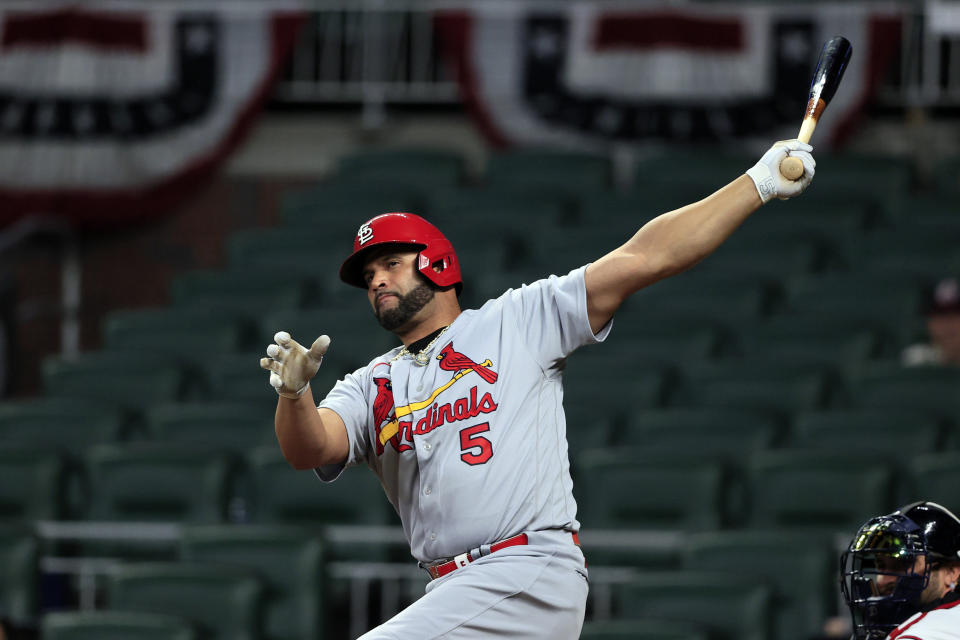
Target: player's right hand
766,174
292,366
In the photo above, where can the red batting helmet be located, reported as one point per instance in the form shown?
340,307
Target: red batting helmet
404,228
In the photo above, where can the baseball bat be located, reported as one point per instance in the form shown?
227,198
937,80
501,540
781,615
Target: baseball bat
834,57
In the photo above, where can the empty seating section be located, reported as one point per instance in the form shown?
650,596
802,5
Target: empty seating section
158,482
63,423
629,488
116,625
214,425
284,496
723,432
740,419
288,561
728,606
817,490
33,484
222,602
797,566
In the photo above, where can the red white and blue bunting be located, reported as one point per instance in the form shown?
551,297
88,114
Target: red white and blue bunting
112,112
595,74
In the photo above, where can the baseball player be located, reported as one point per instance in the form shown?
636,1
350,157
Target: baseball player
463,424
899,575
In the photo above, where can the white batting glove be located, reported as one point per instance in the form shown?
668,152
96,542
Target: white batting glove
291,366
766,173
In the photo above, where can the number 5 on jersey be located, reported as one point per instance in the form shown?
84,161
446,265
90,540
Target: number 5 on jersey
470,439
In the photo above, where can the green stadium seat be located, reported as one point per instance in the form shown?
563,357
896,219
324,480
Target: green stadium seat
289,562
19,575
778,261
646,629
554,169
243,292
796,337
635,318
587,426
283,495
728,606
504,208
223,603
33,484
158,482
816,490
298,251
770,385
728,299
698,172
238,378
934,477
59,423
355,336
798,567
424,168
867,431
114,625
630,488
662,344
887,385
882,181
190,334
923,247
123,379
623,550
721,432
340,209
627,210
211,425
597,392
890,303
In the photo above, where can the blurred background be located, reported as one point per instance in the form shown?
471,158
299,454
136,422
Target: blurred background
179,180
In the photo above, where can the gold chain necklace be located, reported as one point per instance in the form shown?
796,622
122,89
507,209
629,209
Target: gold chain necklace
420,357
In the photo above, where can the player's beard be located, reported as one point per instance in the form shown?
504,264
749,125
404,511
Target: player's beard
407,306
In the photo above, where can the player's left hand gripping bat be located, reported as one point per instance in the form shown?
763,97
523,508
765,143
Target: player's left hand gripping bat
834,57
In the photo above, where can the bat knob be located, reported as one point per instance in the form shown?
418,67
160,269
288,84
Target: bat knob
791,168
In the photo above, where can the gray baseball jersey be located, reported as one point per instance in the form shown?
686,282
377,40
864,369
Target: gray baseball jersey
471,447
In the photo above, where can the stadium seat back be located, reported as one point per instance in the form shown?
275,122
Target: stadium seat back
224,603
799,567
631,488
115,625
289,561
158,482
730,607
816,490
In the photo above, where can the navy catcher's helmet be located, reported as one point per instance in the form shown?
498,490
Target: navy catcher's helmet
879,576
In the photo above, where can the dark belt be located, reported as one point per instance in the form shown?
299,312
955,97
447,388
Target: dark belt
462,560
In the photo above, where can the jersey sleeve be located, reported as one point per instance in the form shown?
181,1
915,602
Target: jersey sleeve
552,315
348,399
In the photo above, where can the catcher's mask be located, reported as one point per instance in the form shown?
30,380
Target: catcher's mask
880,576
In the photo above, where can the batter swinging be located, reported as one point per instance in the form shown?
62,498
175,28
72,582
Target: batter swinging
464,424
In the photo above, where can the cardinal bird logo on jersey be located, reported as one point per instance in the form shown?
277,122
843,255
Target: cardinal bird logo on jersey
451,360
383,403
383,410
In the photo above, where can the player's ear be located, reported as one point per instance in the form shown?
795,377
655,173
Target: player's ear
952,574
